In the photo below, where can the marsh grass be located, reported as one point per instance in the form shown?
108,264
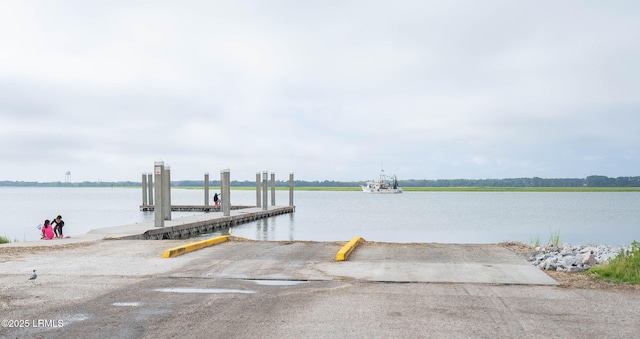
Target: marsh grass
554,240
435,189
520,189
623,268
536,241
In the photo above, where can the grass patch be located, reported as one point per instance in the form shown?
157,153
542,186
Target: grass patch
554,240
521,189
4,240
623,268
432,189
536,241
354,189
467,189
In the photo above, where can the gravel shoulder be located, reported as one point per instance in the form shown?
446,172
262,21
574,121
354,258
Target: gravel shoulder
581,280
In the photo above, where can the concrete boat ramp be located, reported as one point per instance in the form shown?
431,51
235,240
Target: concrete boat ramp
372,262
91,287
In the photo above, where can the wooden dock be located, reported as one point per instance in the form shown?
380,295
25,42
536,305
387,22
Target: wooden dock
187,227
195,208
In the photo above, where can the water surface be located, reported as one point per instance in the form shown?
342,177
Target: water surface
610,218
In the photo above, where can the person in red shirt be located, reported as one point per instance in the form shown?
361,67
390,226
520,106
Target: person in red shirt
47,230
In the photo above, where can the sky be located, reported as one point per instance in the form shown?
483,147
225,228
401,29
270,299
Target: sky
328,90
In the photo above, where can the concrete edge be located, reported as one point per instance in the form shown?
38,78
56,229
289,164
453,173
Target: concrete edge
344,252
176,251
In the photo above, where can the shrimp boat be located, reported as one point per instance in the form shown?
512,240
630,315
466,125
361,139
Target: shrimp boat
386,184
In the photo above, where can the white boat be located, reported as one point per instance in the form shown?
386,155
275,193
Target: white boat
387,184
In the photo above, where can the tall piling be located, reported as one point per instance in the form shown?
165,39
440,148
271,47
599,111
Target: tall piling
220,197
158,171
206,189
258,189
144,189
150,187
166,193
273,189
291,189
264,190
226,192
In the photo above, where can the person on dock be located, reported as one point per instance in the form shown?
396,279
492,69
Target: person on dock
215,199
47,230
59,224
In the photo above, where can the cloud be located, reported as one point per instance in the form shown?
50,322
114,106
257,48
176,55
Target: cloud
331,90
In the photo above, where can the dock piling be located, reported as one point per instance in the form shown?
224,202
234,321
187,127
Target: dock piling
206,189
166,193
291,189
264,190
226,192
144,189
273,189
258,204
158,171
150,188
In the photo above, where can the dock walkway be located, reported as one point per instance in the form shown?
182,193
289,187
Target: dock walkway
179,228
194,208
186,227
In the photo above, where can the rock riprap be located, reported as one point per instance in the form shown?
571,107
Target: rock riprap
573,258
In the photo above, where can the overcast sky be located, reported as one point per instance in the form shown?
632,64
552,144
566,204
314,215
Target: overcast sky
331,90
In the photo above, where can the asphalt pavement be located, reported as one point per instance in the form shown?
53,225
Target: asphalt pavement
269,289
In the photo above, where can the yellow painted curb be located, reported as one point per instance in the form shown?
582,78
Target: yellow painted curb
176,251
344,252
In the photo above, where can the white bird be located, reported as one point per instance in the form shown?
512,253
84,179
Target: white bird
33,276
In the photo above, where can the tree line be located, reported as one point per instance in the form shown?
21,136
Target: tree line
590,181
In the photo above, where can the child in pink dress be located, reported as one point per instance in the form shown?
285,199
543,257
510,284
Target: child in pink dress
47,230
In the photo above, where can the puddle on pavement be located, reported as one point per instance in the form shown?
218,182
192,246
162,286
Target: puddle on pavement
127,304
200,290
75,317
278,282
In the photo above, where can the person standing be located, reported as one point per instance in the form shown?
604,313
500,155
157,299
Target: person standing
215,199
59,224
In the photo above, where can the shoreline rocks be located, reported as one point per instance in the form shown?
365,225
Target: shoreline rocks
572,258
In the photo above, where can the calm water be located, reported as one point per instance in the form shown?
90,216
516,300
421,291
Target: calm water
611,218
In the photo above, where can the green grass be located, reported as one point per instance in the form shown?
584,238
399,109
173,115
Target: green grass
434,189
536,241
355,188
4,240
623,268
475,189
522,189
554,240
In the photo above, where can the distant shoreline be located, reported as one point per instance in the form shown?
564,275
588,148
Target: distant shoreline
592,183
359,189
475,189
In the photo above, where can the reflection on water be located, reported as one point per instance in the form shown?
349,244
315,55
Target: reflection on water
456,217
266,228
